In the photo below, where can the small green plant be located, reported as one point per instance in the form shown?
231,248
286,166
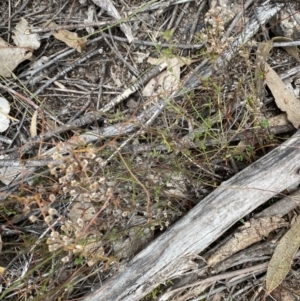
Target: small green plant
167,35
79,261
7,211
239,157
265,123
154,294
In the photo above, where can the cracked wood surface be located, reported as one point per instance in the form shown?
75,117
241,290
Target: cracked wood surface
206,222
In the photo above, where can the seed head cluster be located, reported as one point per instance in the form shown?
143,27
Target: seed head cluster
101,212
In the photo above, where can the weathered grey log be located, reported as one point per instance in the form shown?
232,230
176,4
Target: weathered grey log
168,256
215,214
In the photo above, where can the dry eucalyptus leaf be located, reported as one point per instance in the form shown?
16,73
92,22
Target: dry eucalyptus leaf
70,38
8,174
278,120
11,57
167,80
4,111
25,40
291,50
281,260
284,98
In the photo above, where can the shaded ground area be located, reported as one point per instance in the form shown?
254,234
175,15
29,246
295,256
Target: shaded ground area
101,155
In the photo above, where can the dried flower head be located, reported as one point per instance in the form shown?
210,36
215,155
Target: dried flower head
53,171
52,211
94,186
65,259
90,155
70,169
62,166
73,192
32,218
52,197
57,157
48,219
74,183
84,163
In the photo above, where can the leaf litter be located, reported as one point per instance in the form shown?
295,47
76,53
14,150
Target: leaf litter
81,212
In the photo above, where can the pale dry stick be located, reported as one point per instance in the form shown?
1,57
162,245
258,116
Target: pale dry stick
286,44
108,6
249,287
62,53
26,268
5,139
9,265
29,163
217,291
71,26
9,20
13,186
100,86
195,22
65,71
111,10
179,18
164,6
257,292
174,15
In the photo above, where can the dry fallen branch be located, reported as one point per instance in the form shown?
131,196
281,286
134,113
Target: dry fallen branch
214,215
